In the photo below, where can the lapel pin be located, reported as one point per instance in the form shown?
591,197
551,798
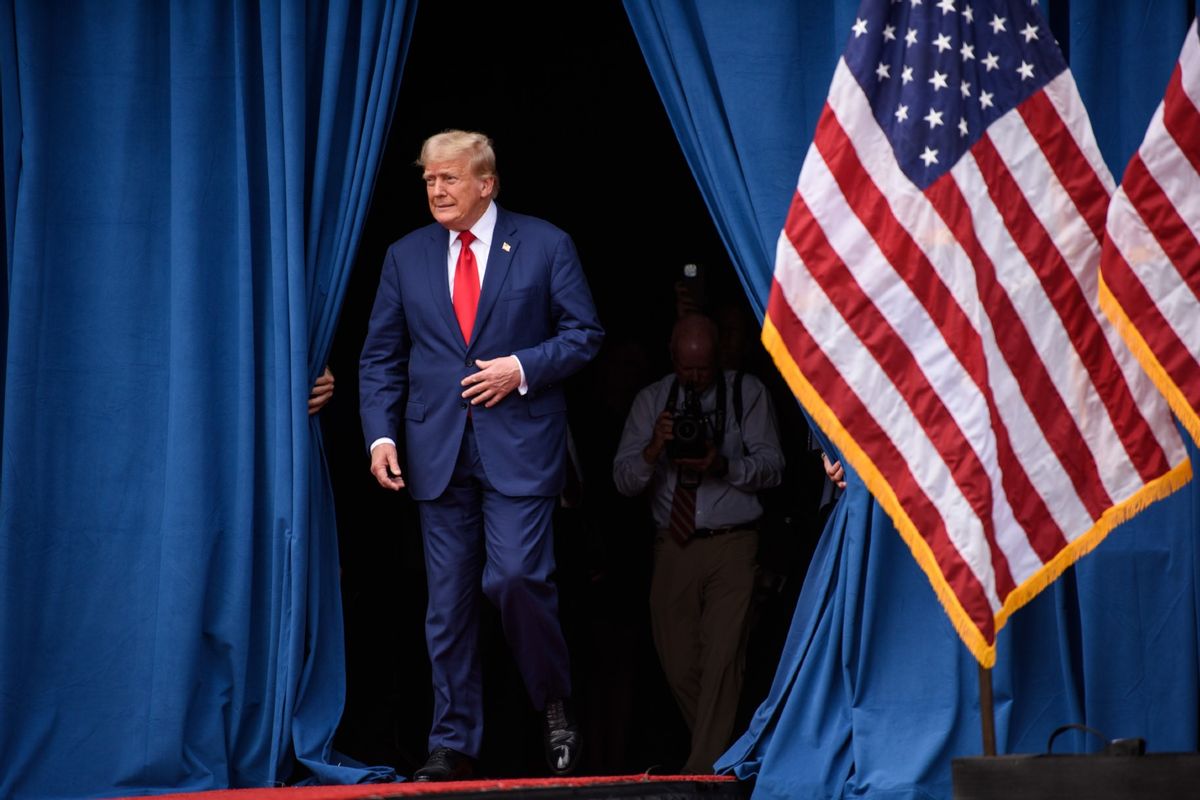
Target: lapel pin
506,247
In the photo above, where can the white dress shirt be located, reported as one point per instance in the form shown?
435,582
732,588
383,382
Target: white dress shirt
484,229
752,450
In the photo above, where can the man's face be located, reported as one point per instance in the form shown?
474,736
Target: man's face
457,198
695,364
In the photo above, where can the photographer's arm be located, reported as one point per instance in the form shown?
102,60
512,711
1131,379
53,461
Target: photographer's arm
642,443
761,465
659,436
711,463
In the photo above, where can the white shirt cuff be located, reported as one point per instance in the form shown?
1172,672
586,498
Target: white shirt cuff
524,387
382,440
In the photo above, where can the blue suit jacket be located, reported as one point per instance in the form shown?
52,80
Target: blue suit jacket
534,303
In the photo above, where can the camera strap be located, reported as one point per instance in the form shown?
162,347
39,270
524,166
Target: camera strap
738,406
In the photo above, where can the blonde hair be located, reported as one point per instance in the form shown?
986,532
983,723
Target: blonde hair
452,144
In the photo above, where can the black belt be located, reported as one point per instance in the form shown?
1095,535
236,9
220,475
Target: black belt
705,533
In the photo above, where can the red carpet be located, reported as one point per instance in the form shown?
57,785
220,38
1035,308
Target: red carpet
628,786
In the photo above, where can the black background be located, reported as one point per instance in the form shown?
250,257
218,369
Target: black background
583,141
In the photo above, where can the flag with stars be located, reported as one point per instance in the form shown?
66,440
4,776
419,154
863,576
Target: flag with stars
935,305
1150,271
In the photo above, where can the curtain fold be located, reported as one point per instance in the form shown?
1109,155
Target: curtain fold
735,87
874,693
184,189
10,162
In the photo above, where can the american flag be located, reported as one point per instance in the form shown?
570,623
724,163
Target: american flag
935,305
1150,270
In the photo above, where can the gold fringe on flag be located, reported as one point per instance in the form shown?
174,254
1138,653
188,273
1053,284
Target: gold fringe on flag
983,650
1150,363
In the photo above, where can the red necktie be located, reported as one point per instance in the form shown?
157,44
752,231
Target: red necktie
466,285
683,512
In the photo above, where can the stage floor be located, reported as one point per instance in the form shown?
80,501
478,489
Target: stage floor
625,787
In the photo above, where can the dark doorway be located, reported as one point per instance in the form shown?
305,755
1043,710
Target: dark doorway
583,141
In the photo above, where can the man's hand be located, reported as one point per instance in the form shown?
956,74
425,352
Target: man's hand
712,463
659,437
835,472
383,462
686,301
322,390
495,379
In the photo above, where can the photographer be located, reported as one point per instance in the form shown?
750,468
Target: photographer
703,442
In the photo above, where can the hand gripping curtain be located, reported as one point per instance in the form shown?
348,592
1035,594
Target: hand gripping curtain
184,187
853,710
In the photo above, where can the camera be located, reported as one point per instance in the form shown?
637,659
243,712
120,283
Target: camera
689,429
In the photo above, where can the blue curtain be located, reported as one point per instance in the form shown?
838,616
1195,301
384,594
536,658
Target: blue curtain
184,186
743,87
875,693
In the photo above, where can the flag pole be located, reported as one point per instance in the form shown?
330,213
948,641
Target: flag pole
987,711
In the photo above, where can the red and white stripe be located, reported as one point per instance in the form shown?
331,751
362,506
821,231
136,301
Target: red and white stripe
1151,263
955,336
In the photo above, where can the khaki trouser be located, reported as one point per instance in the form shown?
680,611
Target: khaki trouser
699,605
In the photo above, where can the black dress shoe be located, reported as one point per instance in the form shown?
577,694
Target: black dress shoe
445,764
561,738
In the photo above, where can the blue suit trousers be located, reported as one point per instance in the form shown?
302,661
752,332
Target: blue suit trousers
481,542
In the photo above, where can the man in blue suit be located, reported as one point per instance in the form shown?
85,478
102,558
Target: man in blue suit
478,319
